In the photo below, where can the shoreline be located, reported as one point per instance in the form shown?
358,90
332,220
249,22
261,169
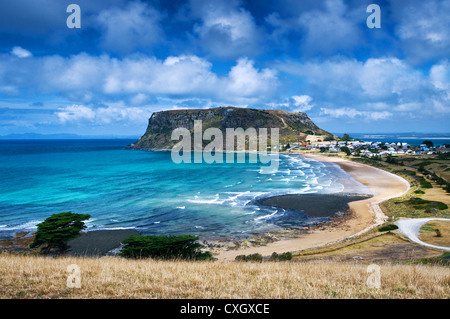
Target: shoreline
365,214
361,216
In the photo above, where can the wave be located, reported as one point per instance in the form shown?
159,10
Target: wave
265,217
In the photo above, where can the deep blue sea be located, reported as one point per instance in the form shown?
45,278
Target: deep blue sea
122,188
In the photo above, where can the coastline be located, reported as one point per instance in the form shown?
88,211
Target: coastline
365,214
362,215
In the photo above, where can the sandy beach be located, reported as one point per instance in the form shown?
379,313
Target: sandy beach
366,213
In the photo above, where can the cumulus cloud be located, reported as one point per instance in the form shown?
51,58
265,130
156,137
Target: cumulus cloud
137,26
423,29
302,103
329,29
82,77
75,113
101,115
244,80
375,85
226,30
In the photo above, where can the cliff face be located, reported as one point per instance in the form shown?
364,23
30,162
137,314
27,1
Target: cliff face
293,126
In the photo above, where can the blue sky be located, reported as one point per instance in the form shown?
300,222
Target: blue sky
132,58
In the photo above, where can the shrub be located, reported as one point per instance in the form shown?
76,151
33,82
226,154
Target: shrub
346,150
57,230
281,257
163,247
253,257
424,183
388,228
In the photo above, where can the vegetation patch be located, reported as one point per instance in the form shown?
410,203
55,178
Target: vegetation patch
443,260
251,257
406,172
423,182
436,232
388,228
58,229
280,257
163,247
422,204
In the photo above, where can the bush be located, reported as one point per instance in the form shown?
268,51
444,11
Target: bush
163,247
57,230
252,257
388,228
424,183
346,150
281,257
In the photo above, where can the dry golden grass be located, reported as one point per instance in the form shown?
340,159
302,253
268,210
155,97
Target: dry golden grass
110,277
428,233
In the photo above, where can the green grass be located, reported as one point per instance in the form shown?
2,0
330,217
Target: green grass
423,182
427,228
443,260
422,204
406,172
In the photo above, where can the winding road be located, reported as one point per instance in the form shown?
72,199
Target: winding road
411,227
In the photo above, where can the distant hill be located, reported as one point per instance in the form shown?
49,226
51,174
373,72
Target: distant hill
37,136
61,136
293,126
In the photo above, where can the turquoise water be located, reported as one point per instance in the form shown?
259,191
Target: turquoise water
122,188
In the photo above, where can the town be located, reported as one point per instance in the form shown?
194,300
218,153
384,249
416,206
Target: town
359,147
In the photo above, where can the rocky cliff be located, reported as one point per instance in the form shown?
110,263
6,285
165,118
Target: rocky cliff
293,126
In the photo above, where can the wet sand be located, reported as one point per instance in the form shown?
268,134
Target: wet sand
98,242
366,213
314,205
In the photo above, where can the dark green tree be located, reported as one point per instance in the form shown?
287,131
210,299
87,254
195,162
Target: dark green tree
429,144
346,150
57,230
163,247
346,138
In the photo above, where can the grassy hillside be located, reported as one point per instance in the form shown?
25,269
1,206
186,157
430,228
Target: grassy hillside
108,277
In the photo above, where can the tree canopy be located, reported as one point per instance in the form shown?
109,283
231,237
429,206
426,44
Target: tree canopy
58,229
163,247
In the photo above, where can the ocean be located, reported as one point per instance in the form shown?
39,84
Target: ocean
144,190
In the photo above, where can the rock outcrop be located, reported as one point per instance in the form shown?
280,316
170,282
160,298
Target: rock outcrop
293,126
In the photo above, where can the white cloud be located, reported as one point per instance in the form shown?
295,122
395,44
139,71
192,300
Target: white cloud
85,79
302,103
440,75
75,113
244,80
354,113
330,29
101,115
423,29
21,52
378,84
226,30
125,29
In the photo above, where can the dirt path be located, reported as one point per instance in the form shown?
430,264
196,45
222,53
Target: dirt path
411,227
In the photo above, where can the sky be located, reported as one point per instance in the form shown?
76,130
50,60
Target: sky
129,59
